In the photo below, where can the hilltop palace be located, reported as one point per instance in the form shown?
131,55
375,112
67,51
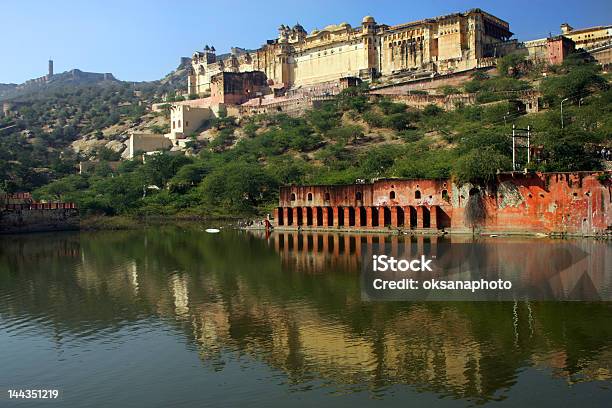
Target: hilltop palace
297,70
453,42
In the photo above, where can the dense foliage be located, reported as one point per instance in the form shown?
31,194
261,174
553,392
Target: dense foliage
353,137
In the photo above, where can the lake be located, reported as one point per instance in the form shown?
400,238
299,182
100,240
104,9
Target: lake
174,316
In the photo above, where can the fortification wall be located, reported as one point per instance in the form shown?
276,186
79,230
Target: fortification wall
447,102
567,203
19,220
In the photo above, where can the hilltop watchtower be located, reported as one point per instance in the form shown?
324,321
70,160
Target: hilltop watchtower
50,74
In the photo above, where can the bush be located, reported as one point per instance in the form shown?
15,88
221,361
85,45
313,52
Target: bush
250,129
324,118
346,133
577,83
237,186
397,121
354,97
410,135
390,108
374,119
449,90
432,110
508,65
480,165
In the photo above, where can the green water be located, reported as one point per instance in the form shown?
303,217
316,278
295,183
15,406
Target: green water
178,317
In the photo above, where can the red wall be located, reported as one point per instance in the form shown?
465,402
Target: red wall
576,203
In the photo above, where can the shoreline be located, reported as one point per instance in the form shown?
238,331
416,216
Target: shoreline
435,232
121,223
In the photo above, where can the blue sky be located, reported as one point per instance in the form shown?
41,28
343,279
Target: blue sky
143,40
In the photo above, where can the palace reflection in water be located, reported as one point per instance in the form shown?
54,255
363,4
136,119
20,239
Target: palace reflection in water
293,302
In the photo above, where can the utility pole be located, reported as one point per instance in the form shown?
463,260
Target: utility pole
528,144
515,145
562,111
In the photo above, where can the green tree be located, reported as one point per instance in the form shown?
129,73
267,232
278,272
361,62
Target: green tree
480,165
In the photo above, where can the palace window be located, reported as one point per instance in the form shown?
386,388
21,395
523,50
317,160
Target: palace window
326,196
292,196
309,196
392,195
358,196
417,195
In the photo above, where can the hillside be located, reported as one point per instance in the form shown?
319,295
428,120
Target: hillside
75,116
235,166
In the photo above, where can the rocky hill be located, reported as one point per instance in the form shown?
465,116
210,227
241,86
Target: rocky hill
235,165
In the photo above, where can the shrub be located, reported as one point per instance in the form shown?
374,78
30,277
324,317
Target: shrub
397,121
374,119
480,165
390,108
432,110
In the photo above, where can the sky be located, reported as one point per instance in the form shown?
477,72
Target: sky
140,40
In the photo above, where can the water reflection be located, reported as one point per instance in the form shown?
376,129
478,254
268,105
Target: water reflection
293,301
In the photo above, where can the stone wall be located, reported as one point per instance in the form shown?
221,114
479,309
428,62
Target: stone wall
448,102
566,203
422,84
38,220
147,142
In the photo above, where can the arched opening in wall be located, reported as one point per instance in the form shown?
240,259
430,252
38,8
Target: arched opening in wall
413,217
326,196
351,212
417,195
309,216
280,220
290,216
309,197
310,242
386,216
392,195
362,216
330,217
445,196
426,217
375,216
319,243
341,216
300,217
401,217
352,244
358,196
281,241
292,197
290,242
330,243
319,215
444,220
